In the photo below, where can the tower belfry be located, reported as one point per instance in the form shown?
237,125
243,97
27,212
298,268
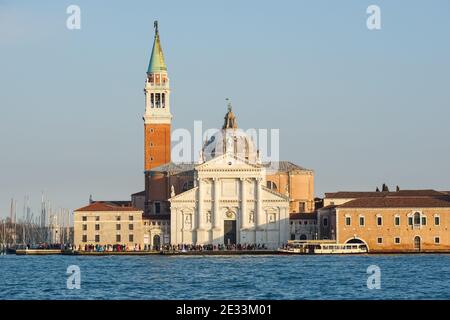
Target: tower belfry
157,117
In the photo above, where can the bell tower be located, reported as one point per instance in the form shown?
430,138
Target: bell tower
157,117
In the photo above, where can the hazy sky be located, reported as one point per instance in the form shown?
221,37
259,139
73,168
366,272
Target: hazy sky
359,107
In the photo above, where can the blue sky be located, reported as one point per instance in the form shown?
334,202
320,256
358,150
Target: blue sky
359,107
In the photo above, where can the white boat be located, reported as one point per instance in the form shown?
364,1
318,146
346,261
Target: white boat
322,247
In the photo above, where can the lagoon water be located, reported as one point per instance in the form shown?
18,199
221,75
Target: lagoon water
225,277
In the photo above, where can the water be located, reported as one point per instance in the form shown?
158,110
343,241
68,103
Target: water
225,277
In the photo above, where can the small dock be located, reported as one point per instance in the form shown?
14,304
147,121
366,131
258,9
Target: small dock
37,252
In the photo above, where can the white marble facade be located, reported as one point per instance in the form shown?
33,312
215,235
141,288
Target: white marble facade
230,204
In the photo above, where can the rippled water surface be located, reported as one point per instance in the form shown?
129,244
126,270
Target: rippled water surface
225,277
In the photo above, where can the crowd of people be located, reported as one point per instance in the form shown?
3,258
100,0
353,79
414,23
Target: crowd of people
214,247
168,247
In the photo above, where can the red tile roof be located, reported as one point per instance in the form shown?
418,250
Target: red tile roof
370,194
107,206
398,202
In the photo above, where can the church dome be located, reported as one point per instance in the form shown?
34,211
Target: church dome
232,140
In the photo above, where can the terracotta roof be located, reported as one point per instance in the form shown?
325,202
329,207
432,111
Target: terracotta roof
367,194
174,168
283,166
107,206
398,202
304,216
277,166
330,206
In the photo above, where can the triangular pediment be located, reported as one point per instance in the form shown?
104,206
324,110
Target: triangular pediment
186,195
228,161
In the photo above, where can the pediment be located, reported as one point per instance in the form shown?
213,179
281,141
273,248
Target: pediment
228,162
189,195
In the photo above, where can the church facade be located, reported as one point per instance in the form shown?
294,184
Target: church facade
227,197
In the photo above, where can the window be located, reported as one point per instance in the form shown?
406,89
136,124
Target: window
397,240
152,100
84,227
379,240
379,221
417,218
325,222
130,226
424,221
117,226
348,221
130,218
97,218
157,207
84,238
397,220
158,100
118,218
361,221
301,206
117,237
163,100
84,218
97,227
130,238
437,240
97,238
188,185
410,221
271,185
437,220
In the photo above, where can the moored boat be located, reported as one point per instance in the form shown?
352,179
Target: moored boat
322,247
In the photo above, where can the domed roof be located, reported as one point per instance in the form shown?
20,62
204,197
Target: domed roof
230,139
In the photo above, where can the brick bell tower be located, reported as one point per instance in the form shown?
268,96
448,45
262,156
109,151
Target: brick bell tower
157,117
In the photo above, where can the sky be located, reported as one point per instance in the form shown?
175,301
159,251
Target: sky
360,107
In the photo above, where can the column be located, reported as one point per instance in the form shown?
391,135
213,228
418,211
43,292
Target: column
200,215
200,225
217,233
244,214
259,213
216,195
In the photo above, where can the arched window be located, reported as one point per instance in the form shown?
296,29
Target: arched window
303,237
271,185
417,218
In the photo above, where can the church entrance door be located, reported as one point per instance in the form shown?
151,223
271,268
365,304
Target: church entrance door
229,231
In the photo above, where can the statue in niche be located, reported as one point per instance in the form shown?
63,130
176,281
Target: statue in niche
208,217
187,221
251,217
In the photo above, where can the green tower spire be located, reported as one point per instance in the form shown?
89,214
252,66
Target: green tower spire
157,63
